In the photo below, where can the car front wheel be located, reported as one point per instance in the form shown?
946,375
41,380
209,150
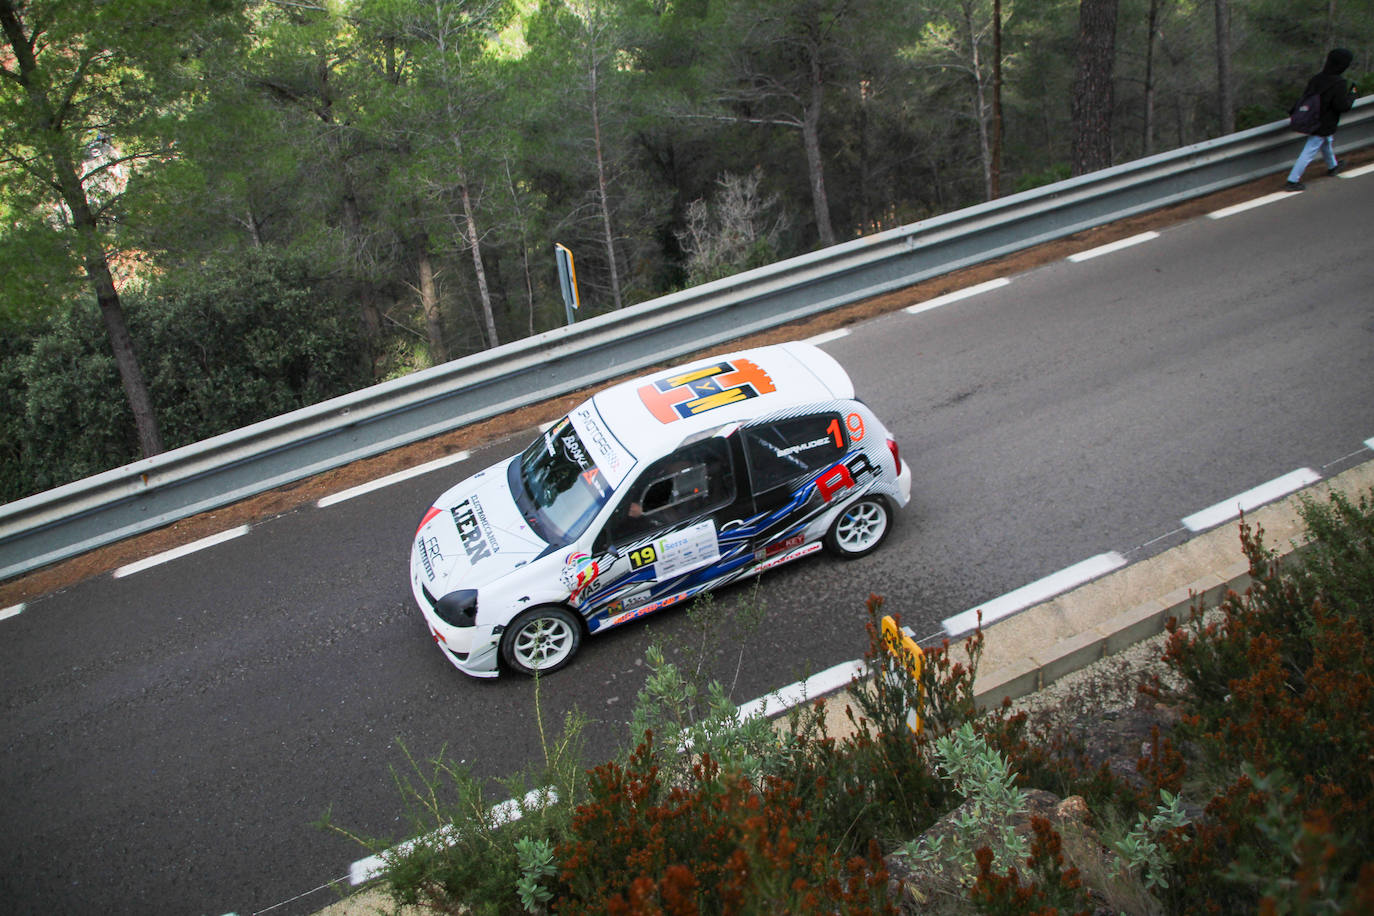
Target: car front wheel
542,639
859,530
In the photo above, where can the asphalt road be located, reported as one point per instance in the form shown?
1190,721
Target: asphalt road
170,738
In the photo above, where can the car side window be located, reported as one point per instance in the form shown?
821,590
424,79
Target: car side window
690,482
782,451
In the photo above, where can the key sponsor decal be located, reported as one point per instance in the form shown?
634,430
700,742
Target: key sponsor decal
778,547
789,557
687,394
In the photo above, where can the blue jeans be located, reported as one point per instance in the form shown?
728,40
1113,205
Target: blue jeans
1310,149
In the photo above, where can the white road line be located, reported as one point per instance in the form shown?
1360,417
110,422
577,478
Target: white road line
1369,444
1356,173
390,479
364,870
1114,246
955,296
12,611
176,553
1249,205
827,336
784,698
1231,508
1034,593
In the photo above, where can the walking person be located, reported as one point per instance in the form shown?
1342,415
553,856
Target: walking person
1337,96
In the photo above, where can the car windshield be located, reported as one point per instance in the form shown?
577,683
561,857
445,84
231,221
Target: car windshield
560,488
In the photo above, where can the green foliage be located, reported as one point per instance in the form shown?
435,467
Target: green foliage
247,340
65,416
475,856
1141,852
690,719
536,868
992,805
369,138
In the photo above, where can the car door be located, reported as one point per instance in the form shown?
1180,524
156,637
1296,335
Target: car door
664,541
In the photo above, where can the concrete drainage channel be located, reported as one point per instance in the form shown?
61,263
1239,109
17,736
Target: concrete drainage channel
1032,647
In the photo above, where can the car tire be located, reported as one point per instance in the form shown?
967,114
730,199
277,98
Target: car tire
860,528
541,640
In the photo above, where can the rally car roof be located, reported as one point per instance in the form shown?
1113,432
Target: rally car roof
655,412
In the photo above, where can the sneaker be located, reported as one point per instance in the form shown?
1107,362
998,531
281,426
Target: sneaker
1335,168
1295,186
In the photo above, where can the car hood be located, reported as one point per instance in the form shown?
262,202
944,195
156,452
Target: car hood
473,534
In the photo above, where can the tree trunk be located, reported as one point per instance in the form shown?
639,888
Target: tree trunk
1225,89
1148,126
980,101
369,315
995,182
92,250
475,245
1092,96
429,304
811,139
524,245
602,185
111,311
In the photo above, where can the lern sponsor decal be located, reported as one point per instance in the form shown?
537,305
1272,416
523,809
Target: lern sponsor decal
844,476
470,530
687,394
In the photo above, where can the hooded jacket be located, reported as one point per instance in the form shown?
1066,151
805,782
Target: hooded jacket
1337,95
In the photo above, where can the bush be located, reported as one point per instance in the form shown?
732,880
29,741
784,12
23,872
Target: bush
715,844
234,344
243,341
1281,706
65,415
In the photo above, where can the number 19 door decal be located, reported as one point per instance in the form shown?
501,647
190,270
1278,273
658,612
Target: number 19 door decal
679,552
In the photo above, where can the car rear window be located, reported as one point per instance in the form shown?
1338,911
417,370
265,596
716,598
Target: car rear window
782,451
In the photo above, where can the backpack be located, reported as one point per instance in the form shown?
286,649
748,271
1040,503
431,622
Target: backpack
1306,116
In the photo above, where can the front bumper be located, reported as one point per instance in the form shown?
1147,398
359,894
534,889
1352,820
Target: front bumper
472,650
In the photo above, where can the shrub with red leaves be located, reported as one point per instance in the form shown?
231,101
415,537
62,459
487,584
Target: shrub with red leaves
1282,700
714,845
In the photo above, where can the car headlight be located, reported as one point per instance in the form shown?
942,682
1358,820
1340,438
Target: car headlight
458,609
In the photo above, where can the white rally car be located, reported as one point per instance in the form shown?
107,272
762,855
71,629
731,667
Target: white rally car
650,492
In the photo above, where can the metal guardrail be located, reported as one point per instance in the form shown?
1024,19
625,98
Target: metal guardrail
149,494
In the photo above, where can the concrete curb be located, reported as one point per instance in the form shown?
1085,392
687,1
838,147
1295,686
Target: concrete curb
1025,652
